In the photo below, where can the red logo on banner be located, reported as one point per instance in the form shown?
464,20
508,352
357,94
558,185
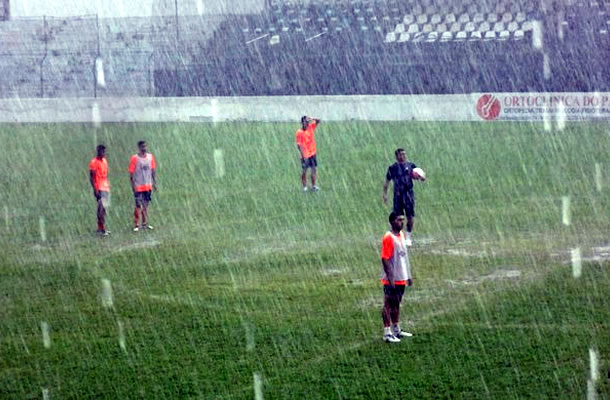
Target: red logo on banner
488,107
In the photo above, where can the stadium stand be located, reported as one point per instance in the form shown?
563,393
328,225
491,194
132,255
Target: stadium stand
5,10
317,47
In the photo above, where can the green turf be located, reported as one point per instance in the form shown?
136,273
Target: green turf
245,274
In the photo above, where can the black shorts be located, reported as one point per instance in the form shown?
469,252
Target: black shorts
142,198
310,162
405,205
394,292
104,198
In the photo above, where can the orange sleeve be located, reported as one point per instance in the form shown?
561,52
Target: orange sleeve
132,164
300,137
92,165
387,247
153,163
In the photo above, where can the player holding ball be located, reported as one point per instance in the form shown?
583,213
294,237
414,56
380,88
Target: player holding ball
402,173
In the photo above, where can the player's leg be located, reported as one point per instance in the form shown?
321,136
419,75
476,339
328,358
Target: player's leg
314,172
145,206
409,205
386,314
304,174
136,211
396,331
100,214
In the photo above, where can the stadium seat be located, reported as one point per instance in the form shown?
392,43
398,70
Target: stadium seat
484,27
413,28
427,28
404,37
446,36
399,28
512,26
520,17
461,35
432,37
492,18
478,17
456,27
475,35
527,26
490,35
507,17
519,34
441,28
464,18
499,27
422,19
450,18
504,35
435,19
408,19
470,27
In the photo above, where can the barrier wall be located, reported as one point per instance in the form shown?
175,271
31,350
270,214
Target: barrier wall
468,107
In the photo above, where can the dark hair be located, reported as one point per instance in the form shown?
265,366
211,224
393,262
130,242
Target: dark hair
141,142
394,215
303,119
100,148
398,150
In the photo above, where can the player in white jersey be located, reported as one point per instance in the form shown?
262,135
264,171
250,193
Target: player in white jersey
143,178
395,277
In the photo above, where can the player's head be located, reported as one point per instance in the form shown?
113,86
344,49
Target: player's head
400,154
101,150
304,121
142,146
397,220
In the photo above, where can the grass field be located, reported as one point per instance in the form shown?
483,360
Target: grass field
249,284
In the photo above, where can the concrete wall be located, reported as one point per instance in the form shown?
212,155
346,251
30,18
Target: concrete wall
468,107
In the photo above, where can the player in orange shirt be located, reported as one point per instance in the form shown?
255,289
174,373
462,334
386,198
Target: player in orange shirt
98,176
395,277
143,178
306,143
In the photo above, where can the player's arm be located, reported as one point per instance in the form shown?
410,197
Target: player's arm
132,170
92,180
386,185
300,147
387,250
316,120
388,270
153,165
154,179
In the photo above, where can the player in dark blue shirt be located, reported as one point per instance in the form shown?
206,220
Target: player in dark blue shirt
401,173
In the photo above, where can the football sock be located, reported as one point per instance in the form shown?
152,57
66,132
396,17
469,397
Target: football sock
136,216
387,331
396,327
100,226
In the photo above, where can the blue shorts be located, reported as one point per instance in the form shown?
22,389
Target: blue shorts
142,198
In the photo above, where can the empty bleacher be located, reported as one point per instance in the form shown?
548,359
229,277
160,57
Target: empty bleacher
315,47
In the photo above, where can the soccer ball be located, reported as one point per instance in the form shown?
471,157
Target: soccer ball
419,173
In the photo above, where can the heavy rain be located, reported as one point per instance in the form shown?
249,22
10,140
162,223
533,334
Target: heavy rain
317,199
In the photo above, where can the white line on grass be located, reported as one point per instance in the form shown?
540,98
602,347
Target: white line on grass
46,336
576,256
258,386
45,394
122,336
107,301
565,210
43,230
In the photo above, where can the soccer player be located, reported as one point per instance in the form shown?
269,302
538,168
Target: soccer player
401,173
143,178
98,176
306,143
395,277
